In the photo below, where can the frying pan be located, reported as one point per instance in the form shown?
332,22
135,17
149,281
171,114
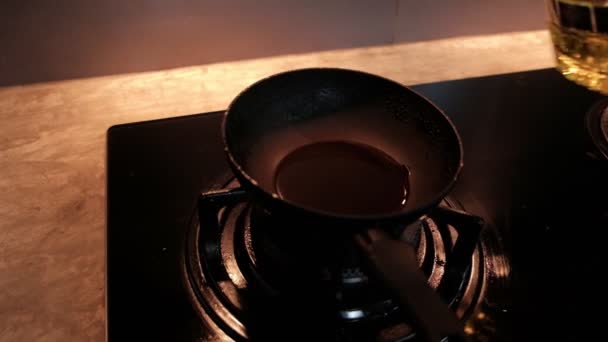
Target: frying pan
283,112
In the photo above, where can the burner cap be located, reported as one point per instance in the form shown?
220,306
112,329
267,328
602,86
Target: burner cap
597,125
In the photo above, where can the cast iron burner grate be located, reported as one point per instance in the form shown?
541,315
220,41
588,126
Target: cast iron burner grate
251,278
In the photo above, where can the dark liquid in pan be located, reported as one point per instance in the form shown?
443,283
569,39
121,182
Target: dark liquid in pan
343,178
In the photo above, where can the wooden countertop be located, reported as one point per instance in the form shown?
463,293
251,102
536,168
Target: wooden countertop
52,161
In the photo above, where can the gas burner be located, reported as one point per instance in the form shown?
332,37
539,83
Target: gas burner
249,277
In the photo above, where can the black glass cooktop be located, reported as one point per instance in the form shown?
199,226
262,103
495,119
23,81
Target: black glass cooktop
530,171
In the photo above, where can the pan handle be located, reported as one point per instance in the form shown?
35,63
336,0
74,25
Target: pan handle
395,262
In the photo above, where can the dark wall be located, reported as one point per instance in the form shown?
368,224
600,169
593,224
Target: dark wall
44,40
433,19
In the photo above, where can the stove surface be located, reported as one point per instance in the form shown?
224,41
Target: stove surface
528,171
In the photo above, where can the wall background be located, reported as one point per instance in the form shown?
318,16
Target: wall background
62,39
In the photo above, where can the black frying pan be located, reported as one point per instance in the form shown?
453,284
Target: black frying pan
284,112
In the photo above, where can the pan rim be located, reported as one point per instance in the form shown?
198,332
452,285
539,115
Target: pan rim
419,209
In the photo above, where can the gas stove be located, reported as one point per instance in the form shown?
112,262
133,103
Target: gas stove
188,261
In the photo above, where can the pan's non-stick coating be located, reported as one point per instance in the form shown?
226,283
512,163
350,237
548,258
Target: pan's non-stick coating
276,115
